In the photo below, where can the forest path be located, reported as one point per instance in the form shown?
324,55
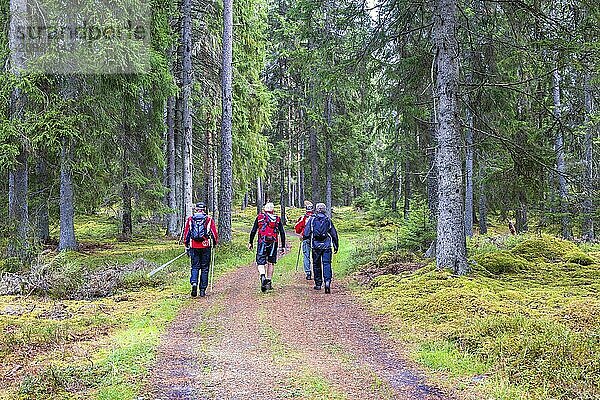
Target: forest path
294,342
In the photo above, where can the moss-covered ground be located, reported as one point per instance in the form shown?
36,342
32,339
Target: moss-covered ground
524,324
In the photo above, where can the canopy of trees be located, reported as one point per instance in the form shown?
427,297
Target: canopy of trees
477,107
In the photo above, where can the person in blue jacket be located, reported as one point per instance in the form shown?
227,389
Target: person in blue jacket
323,237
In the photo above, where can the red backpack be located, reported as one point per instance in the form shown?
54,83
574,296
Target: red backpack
268,227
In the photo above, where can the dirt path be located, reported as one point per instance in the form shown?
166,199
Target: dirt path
294,342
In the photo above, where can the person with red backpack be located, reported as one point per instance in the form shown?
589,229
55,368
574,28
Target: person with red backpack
200,235
269,227
323,236
299,228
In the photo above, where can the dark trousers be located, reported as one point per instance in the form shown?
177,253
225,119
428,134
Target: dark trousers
321,265
200,262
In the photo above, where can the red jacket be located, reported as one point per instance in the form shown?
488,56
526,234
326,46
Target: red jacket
301,223
212,228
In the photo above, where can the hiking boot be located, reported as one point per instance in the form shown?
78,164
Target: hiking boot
263,283
194,290
308,276
317,287
269,285
202,292
328,287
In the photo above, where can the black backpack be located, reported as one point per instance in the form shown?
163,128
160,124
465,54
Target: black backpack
198,228
319,227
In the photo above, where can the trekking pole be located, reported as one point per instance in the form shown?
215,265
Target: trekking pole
298,258
154,271
212,265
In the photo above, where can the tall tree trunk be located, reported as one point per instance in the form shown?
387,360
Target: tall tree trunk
395,186
226,195
482,199
451,249
521,220
432,185
67,208
171,199
186,102
560,156
41,200
328,154
209,168
282,194
407,190
314,162
259,196
469,175
290,162
18,208
587,228
178,133
126,193
301,173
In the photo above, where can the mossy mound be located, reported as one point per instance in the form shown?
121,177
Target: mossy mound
579,257
500,262
550,248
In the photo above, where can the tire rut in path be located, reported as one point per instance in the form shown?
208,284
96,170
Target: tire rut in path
217,348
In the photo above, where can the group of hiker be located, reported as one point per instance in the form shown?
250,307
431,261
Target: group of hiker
317,231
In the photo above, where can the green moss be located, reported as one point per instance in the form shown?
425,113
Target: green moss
500,262
579,257
545,247
529,311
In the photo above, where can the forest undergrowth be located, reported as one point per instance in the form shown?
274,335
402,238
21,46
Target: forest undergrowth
524,324
65,339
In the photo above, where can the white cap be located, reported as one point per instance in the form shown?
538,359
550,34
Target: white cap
321,207
269,207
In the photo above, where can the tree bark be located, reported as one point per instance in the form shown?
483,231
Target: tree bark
469,175
451,244
178,135
560,156
171,200
186,102
328,155
407,190
482,200
226,194
41,203
126,194
67,239
18,208
587,228
314,162
259,197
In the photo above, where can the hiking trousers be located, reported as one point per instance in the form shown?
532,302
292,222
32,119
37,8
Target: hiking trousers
200,265
321,265
306,253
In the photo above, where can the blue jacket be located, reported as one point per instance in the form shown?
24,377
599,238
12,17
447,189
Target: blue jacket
332,236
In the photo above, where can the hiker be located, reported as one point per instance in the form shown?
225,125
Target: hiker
322,235
200,236
299,228
269,226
